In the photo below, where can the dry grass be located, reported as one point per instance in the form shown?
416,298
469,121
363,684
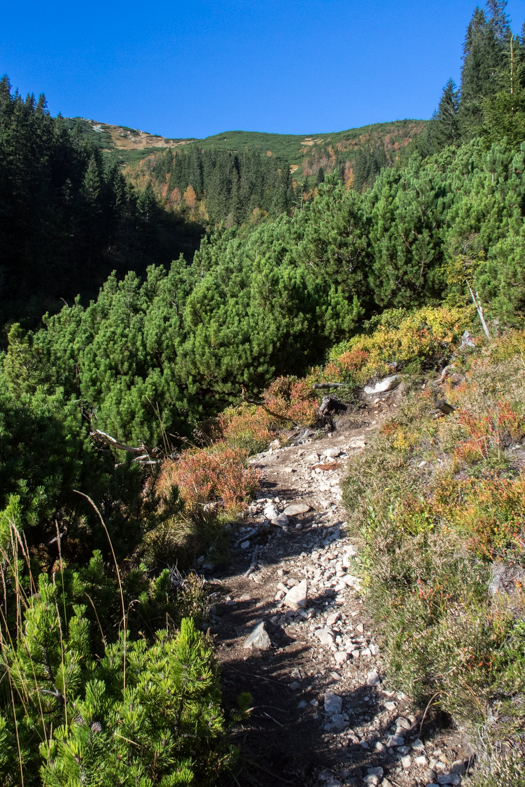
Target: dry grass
439,504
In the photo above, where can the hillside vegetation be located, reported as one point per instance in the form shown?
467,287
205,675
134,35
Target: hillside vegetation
126,422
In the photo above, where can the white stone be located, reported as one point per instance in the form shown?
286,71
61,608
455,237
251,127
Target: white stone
332,452
333,703
372,678
406,761
258,639
402,723
421,761
387,384
296,597
312,458
324,636
296,508
341,657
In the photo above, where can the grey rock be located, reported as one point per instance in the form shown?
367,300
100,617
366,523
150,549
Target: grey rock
332,452
459,766
312,459
406,761
449,778
386,384
294,509
337,723
333,703
372,678
324,636
258,639
296,597
403,724
376,772
467,340
395,740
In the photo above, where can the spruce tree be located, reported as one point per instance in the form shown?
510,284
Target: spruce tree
446,130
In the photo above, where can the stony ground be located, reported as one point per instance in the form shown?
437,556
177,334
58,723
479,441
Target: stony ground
324,713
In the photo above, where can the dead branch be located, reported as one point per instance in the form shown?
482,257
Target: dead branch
106,438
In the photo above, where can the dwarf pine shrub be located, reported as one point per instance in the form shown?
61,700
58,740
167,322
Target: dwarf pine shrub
127,713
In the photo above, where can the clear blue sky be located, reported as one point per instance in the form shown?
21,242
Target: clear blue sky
195,68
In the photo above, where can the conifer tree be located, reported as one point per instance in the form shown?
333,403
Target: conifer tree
446,130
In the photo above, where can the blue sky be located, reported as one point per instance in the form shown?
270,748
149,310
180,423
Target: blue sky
196,68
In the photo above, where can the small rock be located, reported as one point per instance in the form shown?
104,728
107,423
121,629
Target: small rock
312,459
395,740
376,772
274,445
458,766
360,628
337,723
372,678
418,745
297,596
325,636
294,686
294,509
390,705
258,638
403,724
449,778
341,657
371,779
379,747
386,783
421,761
387,384
332,619
245,545
332,452
406,761
333,703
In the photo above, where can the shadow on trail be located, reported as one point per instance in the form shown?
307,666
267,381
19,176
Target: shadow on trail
289,738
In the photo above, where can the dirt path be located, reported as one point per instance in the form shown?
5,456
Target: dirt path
324,713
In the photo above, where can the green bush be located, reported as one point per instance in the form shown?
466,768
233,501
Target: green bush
135,713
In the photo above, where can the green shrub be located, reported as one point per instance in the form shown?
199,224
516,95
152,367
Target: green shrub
136,713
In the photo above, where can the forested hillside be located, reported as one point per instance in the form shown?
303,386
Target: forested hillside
67,219
126,420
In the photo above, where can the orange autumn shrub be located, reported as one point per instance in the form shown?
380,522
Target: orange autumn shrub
489,431
205,475
490,511
292,399
248,427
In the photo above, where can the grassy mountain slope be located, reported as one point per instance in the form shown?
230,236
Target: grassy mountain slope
303,152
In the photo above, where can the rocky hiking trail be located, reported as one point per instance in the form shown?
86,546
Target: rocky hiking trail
323,711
